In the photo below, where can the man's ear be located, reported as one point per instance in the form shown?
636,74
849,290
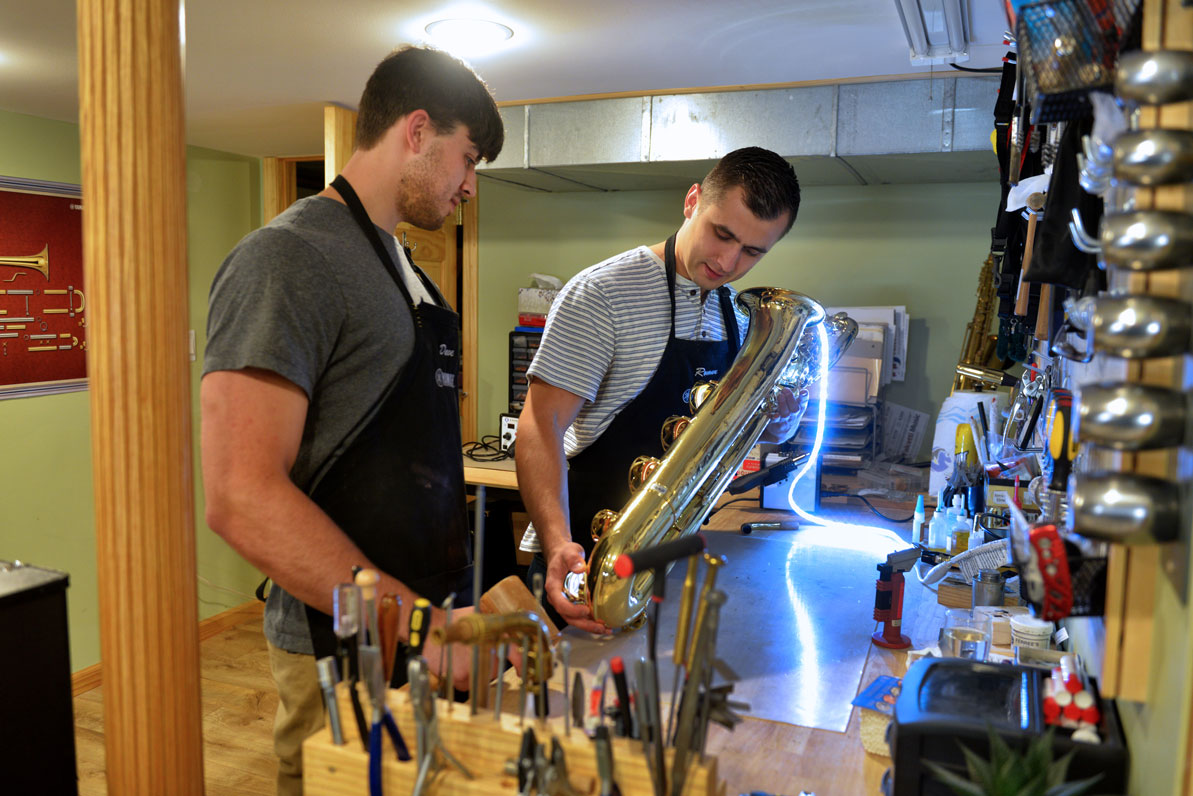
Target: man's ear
418,130
691,201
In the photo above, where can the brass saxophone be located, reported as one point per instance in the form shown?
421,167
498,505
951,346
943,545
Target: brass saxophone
673,495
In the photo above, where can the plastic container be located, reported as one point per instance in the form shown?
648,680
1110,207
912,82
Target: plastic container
1028,631
938,531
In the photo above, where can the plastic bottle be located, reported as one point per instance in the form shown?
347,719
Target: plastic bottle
917,521
959,526
938,537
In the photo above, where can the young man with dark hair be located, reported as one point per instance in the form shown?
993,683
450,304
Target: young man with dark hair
625,341
324,343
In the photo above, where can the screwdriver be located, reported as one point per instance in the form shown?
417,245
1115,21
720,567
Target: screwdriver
345,623
420,619
502,652
326,668
625,723
448,674
367,580
565,653
682,629
388,613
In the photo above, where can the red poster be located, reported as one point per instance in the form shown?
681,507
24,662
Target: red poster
43,321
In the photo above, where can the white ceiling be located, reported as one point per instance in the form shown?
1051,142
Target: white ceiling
259,71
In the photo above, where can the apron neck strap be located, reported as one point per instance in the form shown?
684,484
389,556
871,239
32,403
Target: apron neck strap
348,194
669,267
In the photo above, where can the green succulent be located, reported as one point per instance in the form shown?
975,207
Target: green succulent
1011,773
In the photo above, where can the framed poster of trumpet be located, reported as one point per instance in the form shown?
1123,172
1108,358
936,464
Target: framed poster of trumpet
43,305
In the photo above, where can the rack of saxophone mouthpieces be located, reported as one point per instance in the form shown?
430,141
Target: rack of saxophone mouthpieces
483,744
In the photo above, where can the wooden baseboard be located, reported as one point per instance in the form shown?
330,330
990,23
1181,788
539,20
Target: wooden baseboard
91,677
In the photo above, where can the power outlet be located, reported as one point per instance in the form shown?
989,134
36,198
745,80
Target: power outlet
509,431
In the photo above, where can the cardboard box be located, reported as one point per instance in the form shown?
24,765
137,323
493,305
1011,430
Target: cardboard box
535,300
1000,492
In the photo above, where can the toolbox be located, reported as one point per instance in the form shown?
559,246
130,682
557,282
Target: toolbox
949,702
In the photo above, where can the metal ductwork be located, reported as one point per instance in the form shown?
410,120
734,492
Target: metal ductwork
904,131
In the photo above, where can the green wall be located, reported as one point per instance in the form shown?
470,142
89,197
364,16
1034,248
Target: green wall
917,245
45,472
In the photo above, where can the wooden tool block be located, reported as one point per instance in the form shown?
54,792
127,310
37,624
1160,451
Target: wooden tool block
483,744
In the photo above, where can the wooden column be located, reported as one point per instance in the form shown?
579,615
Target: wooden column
134,251
339,137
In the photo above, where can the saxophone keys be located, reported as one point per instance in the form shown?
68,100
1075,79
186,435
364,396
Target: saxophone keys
641,471
602,521
672,428
575,587
699,394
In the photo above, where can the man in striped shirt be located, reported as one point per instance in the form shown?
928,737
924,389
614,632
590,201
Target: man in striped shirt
624,343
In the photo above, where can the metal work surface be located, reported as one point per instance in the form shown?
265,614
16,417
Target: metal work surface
796,628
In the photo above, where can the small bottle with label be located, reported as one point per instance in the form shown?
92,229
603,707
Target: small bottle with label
938,537
958,526
918,532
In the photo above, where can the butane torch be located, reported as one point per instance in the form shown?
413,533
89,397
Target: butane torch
888,599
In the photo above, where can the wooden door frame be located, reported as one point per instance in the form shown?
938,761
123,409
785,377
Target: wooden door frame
279,184
469,314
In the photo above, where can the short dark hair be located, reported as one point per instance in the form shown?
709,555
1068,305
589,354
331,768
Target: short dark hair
413,78
767,180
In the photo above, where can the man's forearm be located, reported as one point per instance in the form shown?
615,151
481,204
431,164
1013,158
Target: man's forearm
283,533
542,480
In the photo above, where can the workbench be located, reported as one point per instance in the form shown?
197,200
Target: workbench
778,756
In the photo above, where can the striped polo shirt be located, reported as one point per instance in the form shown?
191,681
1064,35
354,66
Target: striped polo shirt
605,336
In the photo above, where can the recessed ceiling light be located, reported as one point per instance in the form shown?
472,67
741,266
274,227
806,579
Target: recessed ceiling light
469,37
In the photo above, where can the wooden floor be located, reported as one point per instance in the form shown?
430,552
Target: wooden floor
239,703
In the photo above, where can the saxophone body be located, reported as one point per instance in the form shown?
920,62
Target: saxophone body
673,495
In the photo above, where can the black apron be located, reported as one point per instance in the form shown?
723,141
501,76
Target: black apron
598,476
397,490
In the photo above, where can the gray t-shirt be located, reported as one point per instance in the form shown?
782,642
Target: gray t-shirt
307,297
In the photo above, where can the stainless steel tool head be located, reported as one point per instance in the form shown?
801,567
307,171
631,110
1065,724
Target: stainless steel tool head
1155,78
1154,157
1131,417
1147,240
1127,508
1137,327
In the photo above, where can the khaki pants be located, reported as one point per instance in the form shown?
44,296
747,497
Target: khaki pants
300,713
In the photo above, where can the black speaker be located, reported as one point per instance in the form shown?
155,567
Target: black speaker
37,726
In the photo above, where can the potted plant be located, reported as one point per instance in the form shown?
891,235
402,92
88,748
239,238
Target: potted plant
1009,772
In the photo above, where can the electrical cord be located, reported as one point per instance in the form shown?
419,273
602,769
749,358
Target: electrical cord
751,498
973,69
487,450
869,505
